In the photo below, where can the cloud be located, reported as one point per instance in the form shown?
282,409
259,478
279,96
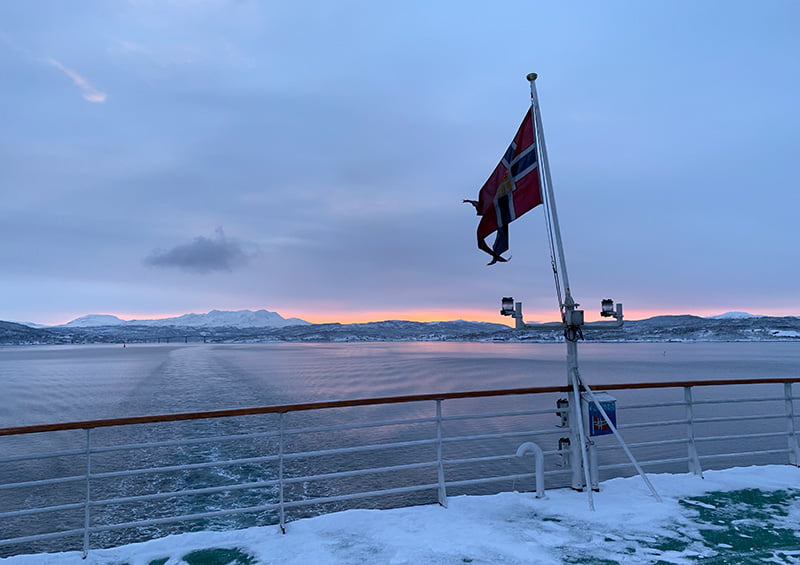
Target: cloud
205,255
89,92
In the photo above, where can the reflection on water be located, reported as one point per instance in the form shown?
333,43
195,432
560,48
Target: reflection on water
67,383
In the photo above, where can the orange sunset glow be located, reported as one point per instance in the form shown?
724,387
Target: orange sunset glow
475,315
326,316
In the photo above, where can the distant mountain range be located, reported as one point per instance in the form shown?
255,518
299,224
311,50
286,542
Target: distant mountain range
214,319
262,326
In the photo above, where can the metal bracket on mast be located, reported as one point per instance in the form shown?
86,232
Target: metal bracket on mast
572,316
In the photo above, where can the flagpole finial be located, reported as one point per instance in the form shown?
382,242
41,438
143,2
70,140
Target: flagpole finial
532,76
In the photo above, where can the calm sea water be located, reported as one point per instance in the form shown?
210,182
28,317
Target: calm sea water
66,383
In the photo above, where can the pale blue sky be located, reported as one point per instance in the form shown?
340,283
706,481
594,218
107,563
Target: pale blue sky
310,158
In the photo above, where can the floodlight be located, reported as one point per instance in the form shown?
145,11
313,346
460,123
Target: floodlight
507,306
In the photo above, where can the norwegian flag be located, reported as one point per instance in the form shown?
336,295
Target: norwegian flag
512,190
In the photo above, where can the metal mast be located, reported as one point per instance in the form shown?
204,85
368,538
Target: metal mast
571,317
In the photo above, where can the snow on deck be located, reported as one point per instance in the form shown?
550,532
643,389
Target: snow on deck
749,514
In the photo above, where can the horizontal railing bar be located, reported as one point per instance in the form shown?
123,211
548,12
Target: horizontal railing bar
643,444
738,418
699,402
227,488
245,486
244,461
359,472
662,461
502,435
183,518
358,448
499,415
483,480
737,400
179,493
172,442
297,431
238,437
763,452
653,405
709,382
236,412
42,510
478,459
563,471
648,424
742,436
628,464
37,537
170,468
43,482
491,458
33,456
357,495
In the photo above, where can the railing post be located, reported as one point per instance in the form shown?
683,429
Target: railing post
88,493
794,450
281,511
439,459
694,460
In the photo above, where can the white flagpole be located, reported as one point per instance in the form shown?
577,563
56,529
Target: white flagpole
549,200
567,305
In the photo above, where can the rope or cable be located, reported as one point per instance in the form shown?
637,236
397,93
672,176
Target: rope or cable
546,203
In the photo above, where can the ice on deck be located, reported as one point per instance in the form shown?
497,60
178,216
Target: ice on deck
749,514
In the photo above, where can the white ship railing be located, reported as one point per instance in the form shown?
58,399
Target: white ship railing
418,455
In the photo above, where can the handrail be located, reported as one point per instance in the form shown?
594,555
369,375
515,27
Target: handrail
284,408
457,456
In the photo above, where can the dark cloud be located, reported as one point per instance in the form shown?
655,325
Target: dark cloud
205,255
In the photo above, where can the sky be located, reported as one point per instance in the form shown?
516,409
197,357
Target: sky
745,514
311,158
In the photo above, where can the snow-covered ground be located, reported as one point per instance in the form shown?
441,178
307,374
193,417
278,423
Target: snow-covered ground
743,515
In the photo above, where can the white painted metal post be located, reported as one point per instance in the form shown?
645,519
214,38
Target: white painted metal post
794,449
281,510
574,460
439,461
530,447
86,517
694,460
581,433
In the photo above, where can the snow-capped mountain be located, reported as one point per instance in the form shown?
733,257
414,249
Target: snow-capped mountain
733,316
222,318
94,320
214,319
29,324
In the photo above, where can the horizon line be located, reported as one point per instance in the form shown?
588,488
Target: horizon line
362,317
